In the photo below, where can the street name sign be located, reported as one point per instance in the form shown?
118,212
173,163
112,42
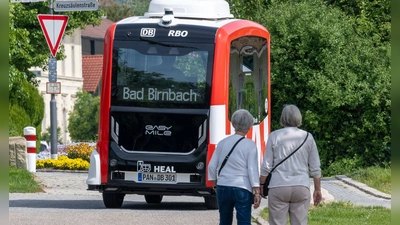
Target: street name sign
53,87
84,5
53,27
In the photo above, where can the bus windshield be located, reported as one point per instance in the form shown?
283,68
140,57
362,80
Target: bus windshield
155,75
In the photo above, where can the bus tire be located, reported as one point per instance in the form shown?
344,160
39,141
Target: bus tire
211,202
113,200
153,198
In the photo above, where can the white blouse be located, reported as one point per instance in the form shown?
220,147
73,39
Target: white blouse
298,168
241,168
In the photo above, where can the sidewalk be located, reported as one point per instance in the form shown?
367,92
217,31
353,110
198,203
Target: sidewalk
340,188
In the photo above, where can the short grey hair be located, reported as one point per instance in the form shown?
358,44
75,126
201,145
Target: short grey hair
291,116
242,120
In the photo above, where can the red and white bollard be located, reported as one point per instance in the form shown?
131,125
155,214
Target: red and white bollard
30,136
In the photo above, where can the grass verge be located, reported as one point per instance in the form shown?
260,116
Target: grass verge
375,177
337,213
22,181
344,213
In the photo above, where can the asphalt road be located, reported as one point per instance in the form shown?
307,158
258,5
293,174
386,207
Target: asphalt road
65,200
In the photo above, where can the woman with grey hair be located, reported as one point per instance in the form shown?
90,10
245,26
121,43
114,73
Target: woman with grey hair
237,179
289,193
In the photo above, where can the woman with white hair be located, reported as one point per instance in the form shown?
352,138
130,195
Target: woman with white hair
236,180
289,193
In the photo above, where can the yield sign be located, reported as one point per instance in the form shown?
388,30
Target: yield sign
53,27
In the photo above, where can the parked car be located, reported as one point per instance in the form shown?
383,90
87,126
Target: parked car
43,146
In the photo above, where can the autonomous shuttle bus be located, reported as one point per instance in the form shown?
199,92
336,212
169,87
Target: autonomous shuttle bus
171,80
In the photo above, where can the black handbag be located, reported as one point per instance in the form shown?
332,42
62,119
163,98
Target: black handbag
266,184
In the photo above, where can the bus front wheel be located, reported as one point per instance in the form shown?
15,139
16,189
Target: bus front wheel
113,200
211,202
153,198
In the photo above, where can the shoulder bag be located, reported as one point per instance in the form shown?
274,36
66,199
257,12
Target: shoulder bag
266,184
227,156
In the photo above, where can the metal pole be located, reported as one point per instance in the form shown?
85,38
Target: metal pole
53,104
53,127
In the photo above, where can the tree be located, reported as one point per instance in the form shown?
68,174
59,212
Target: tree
337,77
27,45
46,136
372,17
83,120
118,11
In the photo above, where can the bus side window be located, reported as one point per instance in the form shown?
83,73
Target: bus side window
248,77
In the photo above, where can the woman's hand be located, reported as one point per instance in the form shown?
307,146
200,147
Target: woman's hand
257,201
262,191
317,197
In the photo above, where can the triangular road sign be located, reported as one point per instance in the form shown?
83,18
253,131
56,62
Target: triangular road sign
53,27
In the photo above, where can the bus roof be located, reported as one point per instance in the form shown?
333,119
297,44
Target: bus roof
167,13
199,9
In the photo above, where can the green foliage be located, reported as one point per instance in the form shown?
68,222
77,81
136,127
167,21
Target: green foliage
372,17
379,178
27,111
83,120
17,120
115,11
139,6
22,181
342,166
337,213
34,106
27,44
339,80
250,10
46,136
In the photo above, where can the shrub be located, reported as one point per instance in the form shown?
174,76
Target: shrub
18,119
342,167
81,150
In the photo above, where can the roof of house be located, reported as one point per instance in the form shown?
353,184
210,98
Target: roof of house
92,66
97,31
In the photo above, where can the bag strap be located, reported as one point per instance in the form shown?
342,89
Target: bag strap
227,156
290,154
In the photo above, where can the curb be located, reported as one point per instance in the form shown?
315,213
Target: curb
61,171
363,187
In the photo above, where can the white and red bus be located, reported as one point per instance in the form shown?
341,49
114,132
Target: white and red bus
171,81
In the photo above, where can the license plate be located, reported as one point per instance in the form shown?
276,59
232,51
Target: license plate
156,177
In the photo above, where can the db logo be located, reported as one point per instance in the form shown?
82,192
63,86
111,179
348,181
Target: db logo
177,33
147,32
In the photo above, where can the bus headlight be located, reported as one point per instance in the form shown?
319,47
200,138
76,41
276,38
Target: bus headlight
113,162
200,166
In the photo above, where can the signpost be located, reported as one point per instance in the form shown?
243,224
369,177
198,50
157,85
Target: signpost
53,27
